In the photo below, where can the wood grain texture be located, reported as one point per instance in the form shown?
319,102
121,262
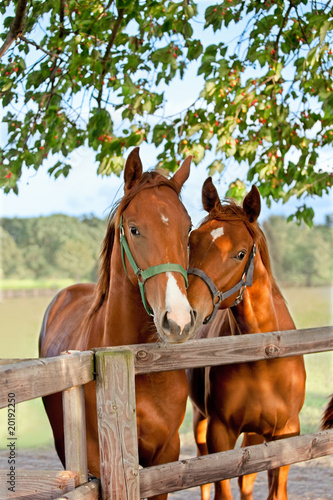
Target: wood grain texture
117,427
38,485
40,377
87,491
193,472
75,431
150,358
10,361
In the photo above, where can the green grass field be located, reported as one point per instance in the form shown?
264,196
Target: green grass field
20,325
26,284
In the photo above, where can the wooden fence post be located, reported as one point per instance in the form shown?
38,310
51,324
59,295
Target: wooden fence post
75,430
117,427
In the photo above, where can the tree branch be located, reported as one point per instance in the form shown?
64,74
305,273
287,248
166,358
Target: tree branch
31,42
283,24
62,19
107,53
16,26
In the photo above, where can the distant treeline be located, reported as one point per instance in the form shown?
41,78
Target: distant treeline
60,246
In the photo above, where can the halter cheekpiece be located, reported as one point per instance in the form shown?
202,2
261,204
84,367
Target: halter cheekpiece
218,296
144,275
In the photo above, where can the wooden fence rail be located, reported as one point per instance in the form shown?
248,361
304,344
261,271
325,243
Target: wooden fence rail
149,358
225,465
39,377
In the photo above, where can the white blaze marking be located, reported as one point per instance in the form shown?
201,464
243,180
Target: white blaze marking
216,233
176,303
165,219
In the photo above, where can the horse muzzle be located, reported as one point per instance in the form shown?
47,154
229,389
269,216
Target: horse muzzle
176,330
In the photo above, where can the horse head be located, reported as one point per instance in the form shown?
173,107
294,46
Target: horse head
153,233
222,252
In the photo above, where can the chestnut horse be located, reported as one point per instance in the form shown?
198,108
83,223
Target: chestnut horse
231,279
148,231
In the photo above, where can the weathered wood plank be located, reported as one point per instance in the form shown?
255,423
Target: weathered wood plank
37,485
150,358
117,427
75,431
40,377
10,361
193,472
87,491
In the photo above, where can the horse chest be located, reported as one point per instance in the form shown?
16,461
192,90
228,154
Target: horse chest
246,396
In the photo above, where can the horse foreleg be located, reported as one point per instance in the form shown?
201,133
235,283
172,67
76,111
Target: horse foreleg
277,478
168,453
220,438
246,483
200,430
53,407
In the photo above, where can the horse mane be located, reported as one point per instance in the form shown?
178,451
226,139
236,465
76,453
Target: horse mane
229,210
150,179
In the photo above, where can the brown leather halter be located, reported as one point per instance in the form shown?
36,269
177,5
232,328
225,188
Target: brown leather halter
218,296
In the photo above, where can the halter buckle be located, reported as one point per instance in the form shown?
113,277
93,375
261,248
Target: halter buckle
121,227
139,275
239,297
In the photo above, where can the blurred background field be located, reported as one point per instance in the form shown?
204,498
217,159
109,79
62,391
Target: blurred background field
20,324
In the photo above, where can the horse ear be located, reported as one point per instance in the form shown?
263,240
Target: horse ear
209,195
252,204
183,172
133,169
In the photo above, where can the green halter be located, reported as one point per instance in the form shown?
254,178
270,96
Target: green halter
143,276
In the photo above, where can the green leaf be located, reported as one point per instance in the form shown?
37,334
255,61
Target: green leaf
216,166
111,164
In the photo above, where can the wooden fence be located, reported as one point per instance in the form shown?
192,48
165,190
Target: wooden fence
115,374
33,378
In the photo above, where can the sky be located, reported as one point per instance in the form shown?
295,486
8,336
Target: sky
83,192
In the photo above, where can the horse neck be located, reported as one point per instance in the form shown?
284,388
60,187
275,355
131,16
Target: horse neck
125,319
263,308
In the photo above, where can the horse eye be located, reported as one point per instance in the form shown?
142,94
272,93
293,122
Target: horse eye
240,255
134,231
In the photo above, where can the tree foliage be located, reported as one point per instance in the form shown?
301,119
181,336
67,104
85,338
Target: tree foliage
59,246
94,74
300,255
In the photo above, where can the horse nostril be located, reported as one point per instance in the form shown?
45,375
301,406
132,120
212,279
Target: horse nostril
170,326
165,323
194,315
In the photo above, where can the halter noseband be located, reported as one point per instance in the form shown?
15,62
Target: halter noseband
218,296
143,276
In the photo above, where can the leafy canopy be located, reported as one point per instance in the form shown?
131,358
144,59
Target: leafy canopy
79,73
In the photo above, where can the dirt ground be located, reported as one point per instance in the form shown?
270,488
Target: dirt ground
311,480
